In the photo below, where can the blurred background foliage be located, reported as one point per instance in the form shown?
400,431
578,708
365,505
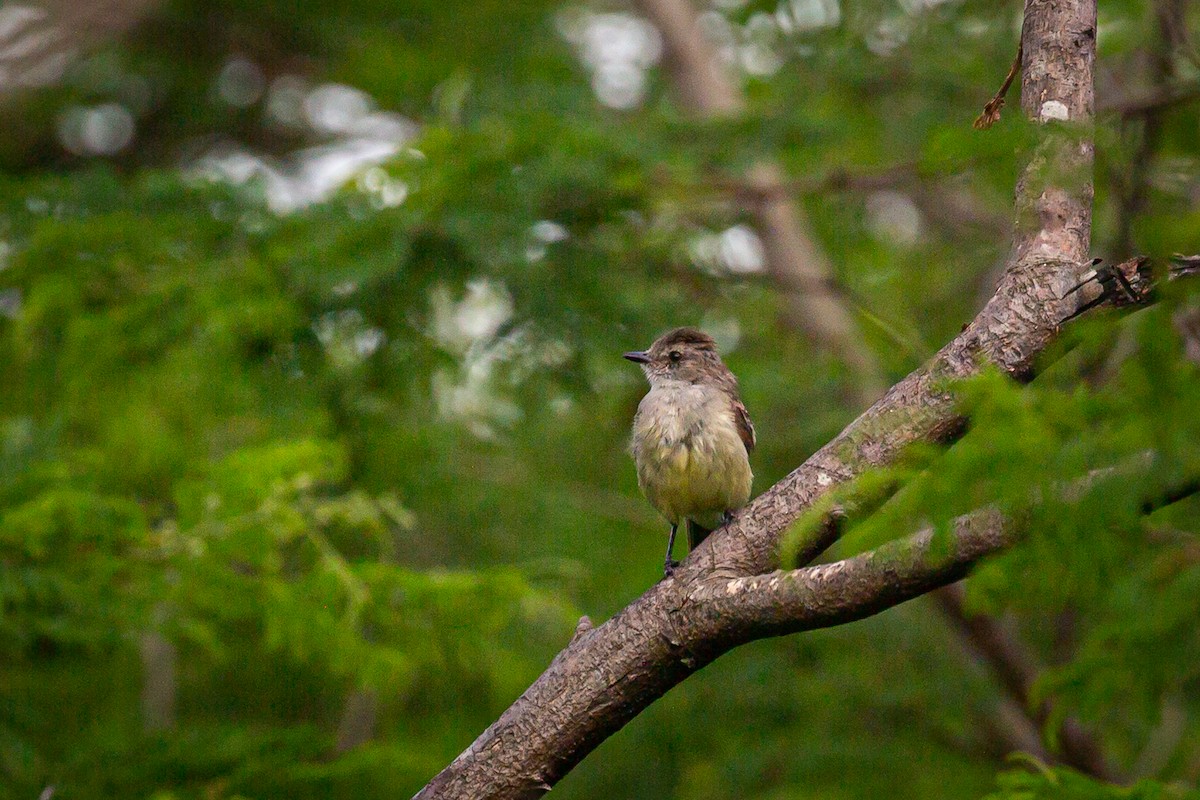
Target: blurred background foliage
313,421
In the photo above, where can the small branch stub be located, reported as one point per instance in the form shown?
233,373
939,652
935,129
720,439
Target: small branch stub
991,111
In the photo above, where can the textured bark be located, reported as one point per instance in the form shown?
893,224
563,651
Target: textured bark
720,596
795,261
788,601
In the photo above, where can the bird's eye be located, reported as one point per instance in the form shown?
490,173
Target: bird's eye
675,355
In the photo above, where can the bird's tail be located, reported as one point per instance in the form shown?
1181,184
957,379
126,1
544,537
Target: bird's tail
696,534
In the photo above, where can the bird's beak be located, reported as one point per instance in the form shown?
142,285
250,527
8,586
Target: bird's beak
638,356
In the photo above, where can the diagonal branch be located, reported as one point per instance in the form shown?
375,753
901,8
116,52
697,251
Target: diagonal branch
789,601
1016,669
1153,100
696,70
609,674
795,261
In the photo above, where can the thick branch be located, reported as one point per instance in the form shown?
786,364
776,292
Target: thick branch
788,601
607,675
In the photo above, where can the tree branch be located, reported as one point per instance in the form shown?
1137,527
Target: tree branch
40,41
1153,100
609,674
789,601
695,68
991,110
1017,668
793,258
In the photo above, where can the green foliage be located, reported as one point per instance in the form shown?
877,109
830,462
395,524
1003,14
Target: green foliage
374,445
67,577
1066,784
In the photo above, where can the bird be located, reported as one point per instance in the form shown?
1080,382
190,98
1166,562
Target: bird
692,436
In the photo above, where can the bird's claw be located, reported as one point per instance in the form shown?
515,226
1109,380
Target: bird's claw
669,568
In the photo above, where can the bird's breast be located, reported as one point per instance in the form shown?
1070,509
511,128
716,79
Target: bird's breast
690,459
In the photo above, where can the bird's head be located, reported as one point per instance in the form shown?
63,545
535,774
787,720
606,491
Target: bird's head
684,354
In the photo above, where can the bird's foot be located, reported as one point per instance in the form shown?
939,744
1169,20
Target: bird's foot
727,517
669,568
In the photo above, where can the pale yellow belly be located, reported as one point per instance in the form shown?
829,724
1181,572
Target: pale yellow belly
698,480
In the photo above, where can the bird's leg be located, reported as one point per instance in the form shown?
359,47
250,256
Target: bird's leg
727,517
669,565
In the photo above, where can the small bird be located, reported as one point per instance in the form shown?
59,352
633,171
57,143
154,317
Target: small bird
692,436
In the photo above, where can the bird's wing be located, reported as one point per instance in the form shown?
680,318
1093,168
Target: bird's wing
745,427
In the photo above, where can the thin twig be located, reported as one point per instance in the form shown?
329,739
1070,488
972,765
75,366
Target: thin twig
991,111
